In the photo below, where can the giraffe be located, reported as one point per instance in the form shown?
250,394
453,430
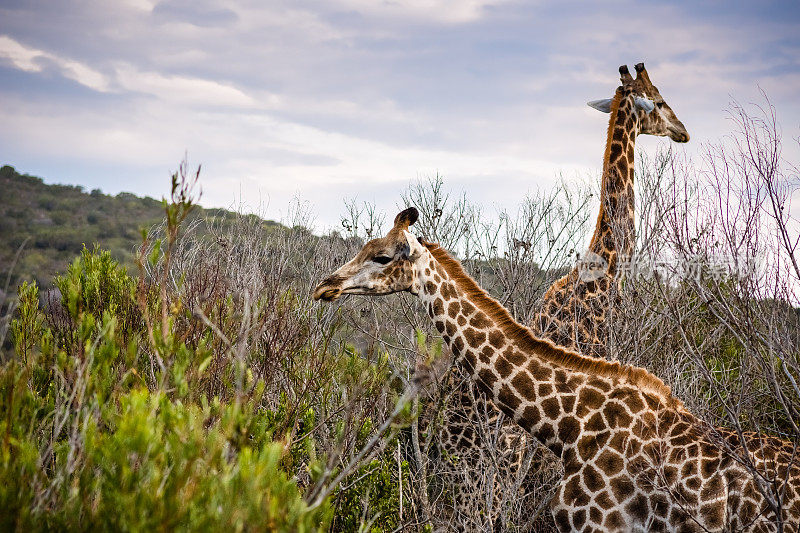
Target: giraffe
635,459
574,309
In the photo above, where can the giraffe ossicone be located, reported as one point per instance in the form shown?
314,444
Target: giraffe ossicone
634,458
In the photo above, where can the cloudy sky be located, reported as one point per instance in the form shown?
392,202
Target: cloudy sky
354,98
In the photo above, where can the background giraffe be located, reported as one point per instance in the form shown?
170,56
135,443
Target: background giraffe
574,310
634,457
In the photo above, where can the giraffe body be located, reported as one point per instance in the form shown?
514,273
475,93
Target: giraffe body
635,459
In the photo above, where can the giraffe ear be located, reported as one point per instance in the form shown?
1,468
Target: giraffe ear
602,105
644,103
406,218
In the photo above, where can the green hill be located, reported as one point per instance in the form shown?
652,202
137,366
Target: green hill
49,225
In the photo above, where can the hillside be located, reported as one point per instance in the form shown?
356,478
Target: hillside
52,223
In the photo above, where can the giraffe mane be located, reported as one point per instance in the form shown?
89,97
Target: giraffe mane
612,120
526,340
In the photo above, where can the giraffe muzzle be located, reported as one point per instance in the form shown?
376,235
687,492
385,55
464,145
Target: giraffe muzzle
327,294
679,135
329,290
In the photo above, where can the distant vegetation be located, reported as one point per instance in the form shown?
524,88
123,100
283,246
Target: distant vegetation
52,223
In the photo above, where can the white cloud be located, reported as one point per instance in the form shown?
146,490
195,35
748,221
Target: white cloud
142,5
180,89
303,25
83,74
34,60
21,57
446,11
176,89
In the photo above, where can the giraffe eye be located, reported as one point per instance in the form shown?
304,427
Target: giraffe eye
382,259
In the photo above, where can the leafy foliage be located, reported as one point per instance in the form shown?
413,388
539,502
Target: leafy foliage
126,405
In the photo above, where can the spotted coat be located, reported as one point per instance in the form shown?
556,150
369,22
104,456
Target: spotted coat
635,459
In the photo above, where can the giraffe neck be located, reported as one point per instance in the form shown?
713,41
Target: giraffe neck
540,386
615,234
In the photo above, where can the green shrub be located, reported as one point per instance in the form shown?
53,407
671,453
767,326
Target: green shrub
161,468
128,405
374,499
86,447
95,283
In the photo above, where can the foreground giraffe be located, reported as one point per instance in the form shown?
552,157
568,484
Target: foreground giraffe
573,311
634,458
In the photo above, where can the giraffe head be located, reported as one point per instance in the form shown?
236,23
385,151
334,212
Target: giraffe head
383,266
655,116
